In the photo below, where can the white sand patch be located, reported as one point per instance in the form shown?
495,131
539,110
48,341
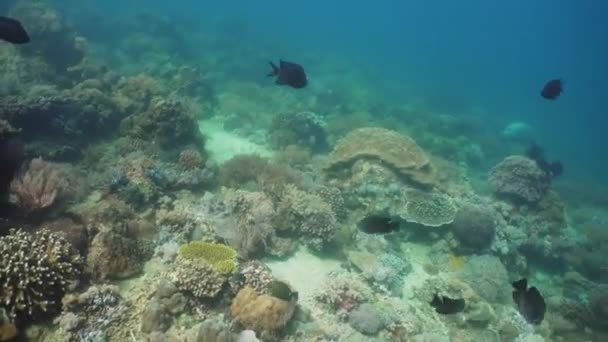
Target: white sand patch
305,272
222,145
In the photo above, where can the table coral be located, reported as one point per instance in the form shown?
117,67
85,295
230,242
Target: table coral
35,271
397,151
221,257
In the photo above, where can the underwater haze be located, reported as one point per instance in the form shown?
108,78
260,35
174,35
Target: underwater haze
246,171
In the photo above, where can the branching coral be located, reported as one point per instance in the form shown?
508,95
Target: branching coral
35,271
196,277
39,187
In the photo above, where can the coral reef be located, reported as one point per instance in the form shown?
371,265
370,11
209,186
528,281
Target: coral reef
245,221
196,277
263,313
520,178
397,151
474,227
427,209
113,255
167,122
308,215
303,129
488,277
39,186
35,272
366,319
220,257
253,274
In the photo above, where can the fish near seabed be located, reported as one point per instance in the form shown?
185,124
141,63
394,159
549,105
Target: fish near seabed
447,306
530,303
12,31
288,73
552,89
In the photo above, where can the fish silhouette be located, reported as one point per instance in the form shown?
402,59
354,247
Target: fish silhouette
530,303
552,89
288,73
447,306
12,31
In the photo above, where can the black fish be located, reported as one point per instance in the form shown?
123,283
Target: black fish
376,224
530,303
12,31
447,306
290,74
552,89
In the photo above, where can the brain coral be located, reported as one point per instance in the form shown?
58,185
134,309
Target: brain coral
428,208
35,270
520,178
399,152
262,313
474,226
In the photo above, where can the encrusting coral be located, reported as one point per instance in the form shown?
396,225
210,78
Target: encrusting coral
35,271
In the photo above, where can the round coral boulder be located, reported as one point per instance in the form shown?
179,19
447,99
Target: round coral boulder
519,178
474,227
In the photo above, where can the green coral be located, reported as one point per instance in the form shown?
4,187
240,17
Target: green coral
221,257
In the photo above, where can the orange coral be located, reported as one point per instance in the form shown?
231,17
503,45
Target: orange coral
262,313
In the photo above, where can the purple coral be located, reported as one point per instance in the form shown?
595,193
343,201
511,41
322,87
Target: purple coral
520,178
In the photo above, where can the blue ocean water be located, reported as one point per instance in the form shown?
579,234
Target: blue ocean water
457,54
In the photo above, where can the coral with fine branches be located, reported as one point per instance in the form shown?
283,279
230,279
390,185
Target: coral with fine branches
38,187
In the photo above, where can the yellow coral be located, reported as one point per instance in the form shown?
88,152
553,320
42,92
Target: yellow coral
221,257
456,262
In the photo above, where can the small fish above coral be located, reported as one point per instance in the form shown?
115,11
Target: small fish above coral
12,31
552,89
530,302
378,224
289,73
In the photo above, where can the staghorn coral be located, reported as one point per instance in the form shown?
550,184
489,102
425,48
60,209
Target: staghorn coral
428,209
35,271
262,313
196,277
308,215
221,257
39,187
397,151
519,178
